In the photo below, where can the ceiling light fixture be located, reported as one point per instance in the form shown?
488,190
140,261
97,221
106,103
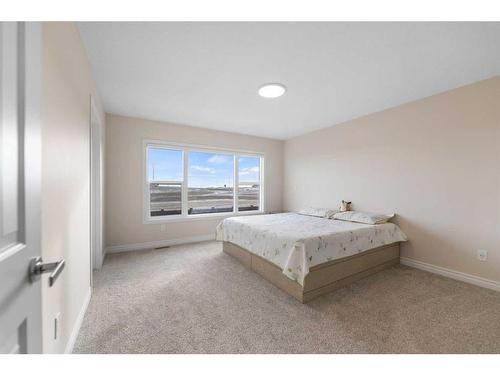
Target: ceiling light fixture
272,90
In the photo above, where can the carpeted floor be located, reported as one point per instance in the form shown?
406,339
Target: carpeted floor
195,299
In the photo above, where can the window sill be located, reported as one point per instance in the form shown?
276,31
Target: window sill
217,216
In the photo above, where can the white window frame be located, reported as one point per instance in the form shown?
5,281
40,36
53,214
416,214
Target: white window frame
186,148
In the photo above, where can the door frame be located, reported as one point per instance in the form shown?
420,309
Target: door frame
96,189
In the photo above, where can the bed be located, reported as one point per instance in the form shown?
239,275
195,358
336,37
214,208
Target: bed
308,256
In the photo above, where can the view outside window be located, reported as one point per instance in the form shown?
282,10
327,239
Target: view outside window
187,182
165,173
210,183
249,183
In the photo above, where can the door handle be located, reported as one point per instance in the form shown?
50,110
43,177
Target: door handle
37,267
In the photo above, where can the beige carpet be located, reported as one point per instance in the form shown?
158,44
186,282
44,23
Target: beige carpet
195,299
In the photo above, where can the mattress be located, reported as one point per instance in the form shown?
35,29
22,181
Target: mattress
296,242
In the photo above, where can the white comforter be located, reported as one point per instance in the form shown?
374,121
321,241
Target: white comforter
297,242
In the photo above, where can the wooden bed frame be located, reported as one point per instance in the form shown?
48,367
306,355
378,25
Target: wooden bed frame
322,278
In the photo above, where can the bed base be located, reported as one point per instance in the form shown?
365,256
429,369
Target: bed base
322,278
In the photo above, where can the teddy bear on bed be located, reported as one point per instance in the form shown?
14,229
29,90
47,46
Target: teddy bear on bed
345,206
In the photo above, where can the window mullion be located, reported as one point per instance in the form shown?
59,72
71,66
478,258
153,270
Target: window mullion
261,185
184,193
236,183
147,187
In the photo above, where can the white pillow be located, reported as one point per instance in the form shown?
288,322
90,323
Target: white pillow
318,212
363,217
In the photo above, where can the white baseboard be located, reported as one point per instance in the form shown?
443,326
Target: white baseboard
161,243
78,323
446,272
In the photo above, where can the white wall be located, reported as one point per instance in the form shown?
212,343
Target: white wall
67,87
435,162
124,182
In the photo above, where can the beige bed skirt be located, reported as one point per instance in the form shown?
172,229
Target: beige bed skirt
324,277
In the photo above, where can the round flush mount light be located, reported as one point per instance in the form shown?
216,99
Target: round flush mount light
272,90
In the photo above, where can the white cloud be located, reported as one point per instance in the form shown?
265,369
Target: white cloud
218,159
202,169
247,171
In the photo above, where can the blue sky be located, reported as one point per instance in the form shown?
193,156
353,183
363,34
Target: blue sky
249,169
164,164
205,169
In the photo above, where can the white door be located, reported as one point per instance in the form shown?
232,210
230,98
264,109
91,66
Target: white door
20,163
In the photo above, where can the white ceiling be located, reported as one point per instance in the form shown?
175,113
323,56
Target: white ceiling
208,74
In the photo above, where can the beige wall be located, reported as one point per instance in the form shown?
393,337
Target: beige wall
124,176
435,162
68,85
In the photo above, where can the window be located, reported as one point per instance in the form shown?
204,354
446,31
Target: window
210,183
248,183
189,181
165,181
